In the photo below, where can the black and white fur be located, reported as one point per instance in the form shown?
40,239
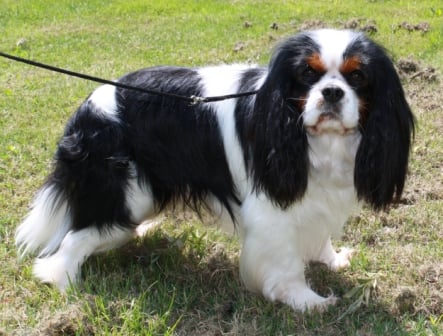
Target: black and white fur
328,128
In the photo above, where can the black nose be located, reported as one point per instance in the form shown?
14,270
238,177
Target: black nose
332,94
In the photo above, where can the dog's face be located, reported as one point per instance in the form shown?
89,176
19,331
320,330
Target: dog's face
331,84
332,104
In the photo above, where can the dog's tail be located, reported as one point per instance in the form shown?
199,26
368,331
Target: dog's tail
88,184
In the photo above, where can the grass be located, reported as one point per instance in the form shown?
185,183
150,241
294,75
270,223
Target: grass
182,279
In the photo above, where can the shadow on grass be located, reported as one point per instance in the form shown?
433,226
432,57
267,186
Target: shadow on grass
183,286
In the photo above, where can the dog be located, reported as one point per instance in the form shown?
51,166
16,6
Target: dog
328,130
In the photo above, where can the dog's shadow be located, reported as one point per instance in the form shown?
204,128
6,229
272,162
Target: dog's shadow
180,275
196,282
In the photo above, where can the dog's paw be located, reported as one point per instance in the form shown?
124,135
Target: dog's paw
342,259
53,270
318,303
147,226
299,296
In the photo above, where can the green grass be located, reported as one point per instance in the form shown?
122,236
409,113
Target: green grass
182,279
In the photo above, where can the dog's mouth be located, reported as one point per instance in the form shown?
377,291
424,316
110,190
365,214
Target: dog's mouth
329,122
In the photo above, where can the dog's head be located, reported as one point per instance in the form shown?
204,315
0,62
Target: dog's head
331,81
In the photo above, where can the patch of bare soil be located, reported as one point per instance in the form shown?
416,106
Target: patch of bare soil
66,323
367,26
411,69
410,27
411,299
422,88
361,24
432,277
313,24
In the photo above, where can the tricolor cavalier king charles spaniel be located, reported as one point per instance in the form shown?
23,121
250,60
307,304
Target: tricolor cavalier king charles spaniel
328,130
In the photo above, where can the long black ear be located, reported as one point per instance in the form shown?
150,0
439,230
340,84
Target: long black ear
278,142
382,158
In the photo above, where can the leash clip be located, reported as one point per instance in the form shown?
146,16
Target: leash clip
195,100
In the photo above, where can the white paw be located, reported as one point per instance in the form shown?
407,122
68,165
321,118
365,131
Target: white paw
55,271
318,303
323,304
147,226
342,259
298,296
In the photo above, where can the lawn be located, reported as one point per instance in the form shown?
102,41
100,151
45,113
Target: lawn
182,279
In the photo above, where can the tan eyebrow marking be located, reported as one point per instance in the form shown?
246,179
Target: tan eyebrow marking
350,64
316,63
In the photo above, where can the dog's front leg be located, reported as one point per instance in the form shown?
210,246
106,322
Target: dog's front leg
271,263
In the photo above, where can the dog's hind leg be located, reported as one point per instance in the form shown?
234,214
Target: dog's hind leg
63,267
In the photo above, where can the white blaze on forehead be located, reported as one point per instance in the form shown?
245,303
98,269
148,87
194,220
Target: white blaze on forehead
105,101
333,44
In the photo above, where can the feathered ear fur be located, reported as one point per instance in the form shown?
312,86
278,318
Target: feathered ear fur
382,158
279,146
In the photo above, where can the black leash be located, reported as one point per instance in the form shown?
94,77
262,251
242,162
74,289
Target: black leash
193,100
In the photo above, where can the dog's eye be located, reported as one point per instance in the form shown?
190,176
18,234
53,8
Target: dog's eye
357,78
309,75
